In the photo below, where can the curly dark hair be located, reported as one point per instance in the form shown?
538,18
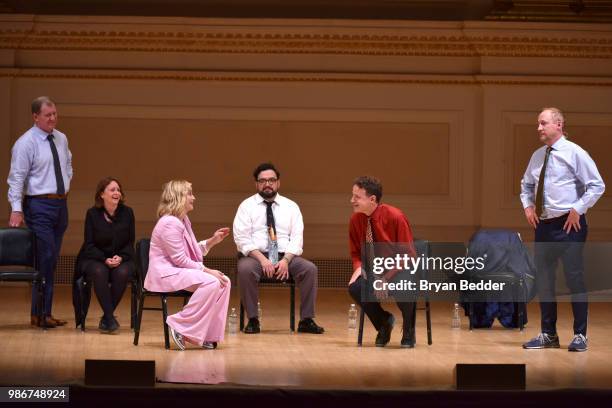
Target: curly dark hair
264,167
371,185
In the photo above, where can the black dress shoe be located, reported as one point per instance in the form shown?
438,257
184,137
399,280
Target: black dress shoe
384,334
309,326
102,325
408,340
252,326
108,325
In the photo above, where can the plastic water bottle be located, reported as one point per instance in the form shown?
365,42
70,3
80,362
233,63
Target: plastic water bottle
233,322
456,319
259,312
352,317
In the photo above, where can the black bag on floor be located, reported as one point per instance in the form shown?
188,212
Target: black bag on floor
506,260
506,256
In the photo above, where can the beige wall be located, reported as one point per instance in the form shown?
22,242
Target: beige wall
444,113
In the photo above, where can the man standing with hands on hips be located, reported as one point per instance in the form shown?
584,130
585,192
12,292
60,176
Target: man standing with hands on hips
560,184
39,180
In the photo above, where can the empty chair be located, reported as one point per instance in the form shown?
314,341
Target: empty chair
18,260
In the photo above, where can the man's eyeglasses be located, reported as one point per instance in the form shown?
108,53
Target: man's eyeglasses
267,181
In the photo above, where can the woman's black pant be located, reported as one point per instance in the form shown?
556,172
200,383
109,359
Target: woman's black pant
109,283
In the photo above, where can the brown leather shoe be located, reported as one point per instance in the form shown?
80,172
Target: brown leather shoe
58,322
49,322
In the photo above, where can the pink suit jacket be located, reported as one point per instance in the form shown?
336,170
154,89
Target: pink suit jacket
175,257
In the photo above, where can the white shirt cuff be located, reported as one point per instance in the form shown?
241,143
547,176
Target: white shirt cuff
203,247
16,206
246,250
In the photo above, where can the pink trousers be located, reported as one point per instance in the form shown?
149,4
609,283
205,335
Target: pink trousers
203,318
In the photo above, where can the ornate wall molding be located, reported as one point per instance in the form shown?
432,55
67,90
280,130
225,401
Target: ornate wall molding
391,38
461,80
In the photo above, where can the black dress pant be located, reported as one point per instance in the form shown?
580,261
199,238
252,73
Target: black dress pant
109,283
362,293
554,244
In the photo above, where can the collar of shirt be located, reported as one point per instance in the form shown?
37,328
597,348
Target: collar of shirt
377,213
559,144
41,133
277,199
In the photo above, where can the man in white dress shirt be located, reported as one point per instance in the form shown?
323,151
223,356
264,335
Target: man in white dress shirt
560,184
268,231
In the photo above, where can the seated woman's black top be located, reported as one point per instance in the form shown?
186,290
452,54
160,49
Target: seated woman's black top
105,239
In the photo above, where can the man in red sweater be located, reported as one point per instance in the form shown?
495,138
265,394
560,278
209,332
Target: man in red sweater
378,226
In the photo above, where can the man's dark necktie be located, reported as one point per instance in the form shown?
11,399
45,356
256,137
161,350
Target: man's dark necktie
272,242
56,166
540,191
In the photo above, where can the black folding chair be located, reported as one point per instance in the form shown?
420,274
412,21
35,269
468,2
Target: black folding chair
142,266
289,282
422,248
81,295
84,286
508,262
18,261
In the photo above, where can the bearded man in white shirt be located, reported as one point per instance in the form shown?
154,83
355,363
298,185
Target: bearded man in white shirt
269,233
560,184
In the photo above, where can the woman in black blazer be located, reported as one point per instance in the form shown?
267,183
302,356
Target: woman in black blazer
107,255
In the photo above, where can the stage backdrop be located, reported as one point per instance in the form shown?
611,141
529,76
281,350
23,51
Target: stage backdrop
443,112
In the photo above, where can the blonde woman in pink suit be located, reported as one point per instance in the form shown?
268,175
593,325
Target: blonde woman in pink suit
175,263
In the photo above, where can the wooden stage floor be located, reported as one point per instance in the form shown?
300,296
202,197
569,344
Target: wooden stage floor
277,358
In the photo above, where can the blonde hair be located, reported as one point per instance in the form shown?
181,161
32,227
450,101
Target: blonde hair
173,198
557,116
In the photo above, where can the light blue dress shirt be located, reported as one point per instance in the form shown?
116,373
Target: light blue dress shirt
571,180
32,171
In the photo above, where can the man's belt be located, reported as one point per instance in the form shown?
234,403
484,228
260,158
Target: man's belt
551,220
49,196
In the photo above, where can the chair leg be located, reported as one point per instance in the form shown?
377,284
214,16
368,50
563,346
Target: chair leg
138,319
241,317
292,307
164,301
428,320
471,313
133,306
521,316
360,333
83,316
522,306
